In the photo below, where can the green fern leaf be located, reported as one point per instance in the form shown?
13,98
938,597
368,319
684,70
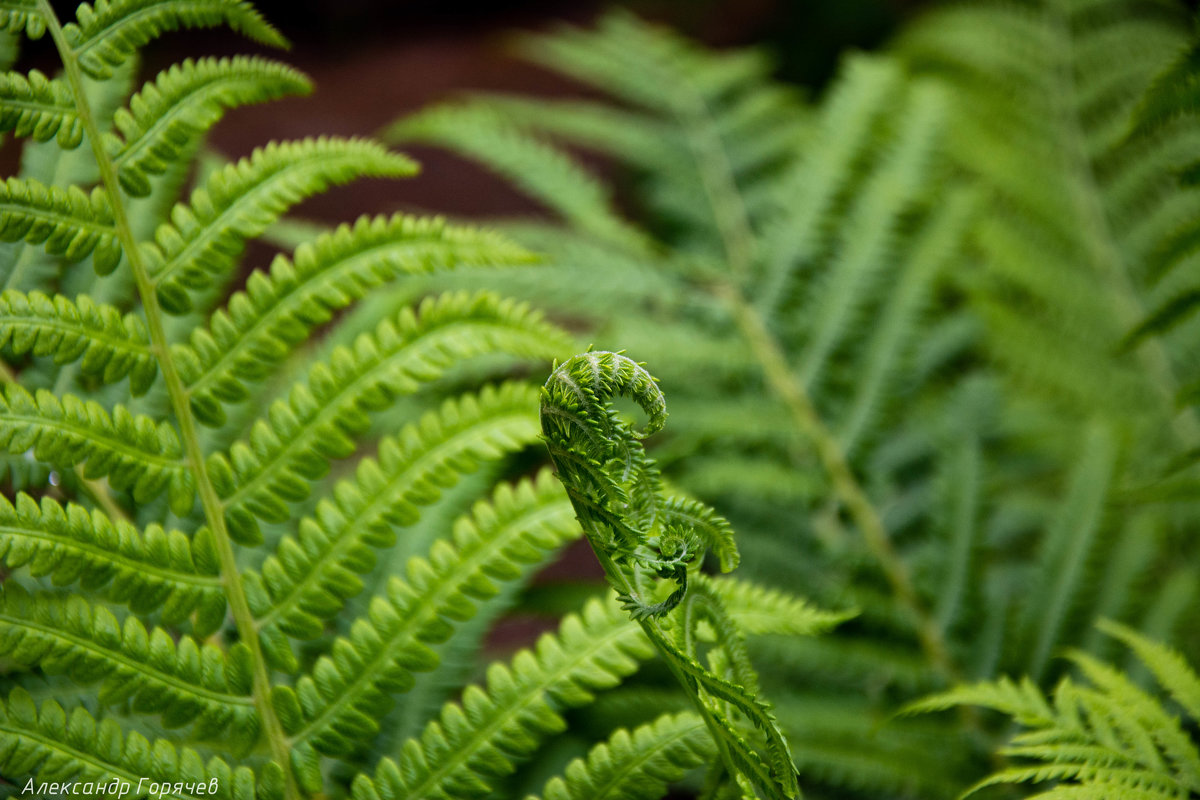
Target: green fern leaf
470,745
168,115
183,681
37,106
638,764
106,33
22,15
320,418
277,310
78,750
340,702
311,576
104,341
1168,666
150,570
67,222
134,452
240,201
544,172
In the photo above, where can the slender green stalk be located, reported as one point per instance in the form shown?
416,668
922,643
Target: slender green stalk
177,392
847,488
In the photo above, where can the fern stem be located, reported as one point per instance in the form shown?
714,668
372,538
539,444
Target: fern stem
177,392
847,488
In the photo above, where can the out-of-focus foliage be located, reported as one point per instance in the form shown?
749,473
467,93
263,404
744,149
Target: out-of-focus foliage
915,333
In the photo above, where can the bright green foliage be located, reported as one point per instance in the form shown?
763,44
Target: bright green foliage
930,340
222,575
635,765
104,341
1104,739
37,106
74,746
639,533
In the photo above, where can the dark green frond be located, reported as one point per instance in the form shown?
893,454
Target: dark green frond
133,452
148,570
311,576
241,201
638,764
53,746
36,106
279,308
68,222
167,116
108,32
472,744
104,341
349,691
320,419
184,681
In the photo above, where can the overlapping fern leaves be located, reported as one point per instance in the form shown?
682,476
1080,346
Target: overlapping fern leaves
897,342
188,544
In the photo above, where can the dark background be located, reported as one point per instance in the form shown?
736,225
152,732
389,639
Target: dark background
373,60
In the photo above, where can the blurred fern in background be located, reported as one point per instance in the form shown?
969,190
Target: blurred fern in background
930,337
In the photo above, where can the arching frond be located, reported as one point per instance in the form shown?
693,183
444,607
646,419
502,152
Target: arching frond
638,764
320,418
66,222
106,33
348,691
1106,738
104,341
183,681
36,106
470,745
279,308
183,102
148,570
241,200
133,452
75,749
311,576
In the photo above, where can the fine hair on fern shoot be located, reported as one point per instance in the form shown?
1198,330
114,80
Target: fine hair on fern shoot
252,540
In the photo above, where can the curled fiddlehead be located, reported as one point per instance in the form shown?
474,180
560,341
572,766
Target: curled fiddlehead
639,533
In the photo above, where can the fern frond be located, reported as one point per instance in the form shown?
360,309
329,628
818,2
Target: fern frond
22,15
348,691
540,169
73,748
617,495
1167,665
183,681
184,101
66,222
760,610
108,32
463,752
1108,739
241,201
636,765
318,421
150,570
277,310
105,341
311,576
134,452
40,107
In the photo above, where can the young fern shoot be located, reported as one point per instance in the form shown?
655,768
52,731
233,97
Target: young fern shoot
639,533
